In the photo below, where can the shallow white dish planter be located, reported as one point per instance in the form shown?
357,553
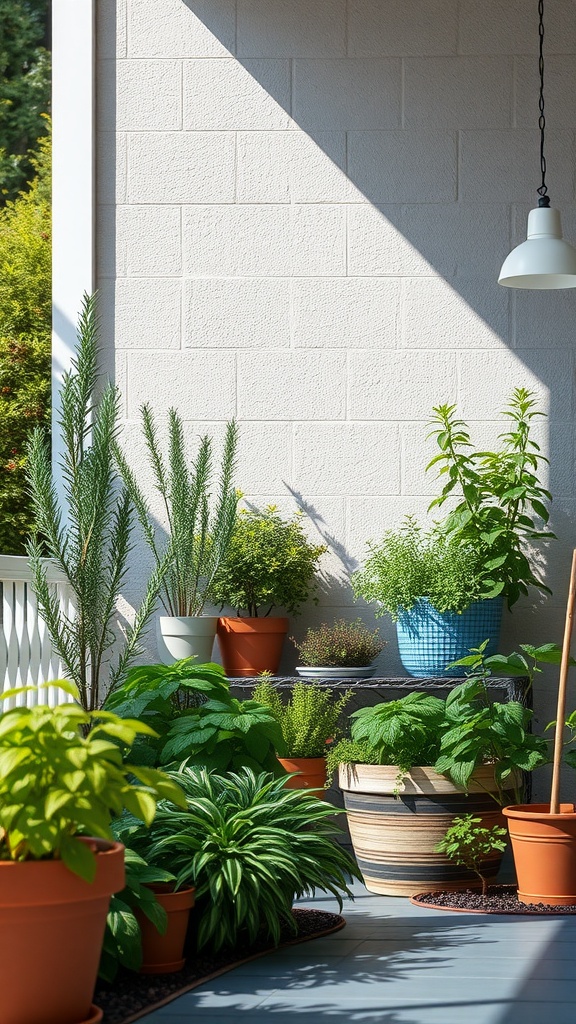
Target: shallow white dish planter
186,636
317,672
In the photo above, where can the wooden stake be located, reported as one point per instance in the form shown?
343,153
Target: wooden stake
561,711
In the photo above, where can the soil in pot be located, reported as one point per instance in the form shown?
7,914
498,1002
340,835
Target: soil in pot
251,645
164,954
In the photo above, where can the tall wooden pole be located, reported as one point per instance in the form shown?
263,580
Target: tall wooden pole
561,710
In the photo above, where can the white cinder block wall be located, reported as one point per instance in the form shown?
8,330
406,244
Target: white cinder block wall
302,209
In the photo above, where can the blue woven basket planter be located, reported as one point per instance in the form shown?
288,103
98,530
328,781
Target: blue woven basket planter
428,640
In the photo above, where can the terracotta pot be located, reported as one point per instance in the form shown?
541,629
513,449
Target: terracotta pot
96,1016
311,773
51,937
396,825
251,645
185,636
162,954
544,848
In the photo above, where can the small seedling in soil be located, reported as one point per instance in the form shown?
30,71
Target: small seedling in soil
467,842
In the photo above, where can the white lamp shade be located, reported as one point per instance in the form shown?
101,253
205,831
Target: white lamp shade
544,260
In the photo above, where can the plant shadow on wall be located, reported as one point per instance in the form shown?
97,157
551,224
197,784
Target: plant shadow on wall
408,215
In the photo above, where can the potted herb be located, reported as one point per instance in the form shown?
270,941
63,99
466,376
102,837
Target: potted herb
445,588
87,535
269,564
411,766
468,843
250,847
343,650
61,777
308,720
199,531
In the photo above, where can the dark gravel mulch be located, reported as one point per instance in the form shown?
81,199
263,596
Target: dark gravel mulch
133,995
500,899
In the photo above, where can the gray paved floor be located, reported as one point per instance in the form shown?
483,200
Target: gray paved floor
396,964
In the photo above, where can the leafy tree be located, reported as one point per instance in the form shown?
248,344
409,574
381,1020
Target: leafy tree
25,328
24,89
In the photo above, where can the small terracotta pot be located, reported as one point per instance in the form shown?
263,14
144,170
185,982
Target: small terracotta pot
311,773
544,848
96,1015
53,926
251,645
162,954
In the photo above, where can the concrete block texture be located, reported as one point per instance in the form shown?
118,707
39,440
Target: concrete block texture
303,207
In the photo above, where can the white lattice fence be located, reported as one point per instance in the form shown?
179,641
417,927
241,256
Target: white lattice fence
26,653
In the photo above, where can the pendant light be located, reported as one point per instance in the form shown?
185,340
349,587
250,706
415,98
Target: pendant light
544,260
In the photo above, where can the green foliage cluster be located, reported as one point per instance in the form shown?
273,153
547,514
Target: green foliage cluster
270,563
469,843
24,89
199,535
88,534
122,945
341,644
25,343
308,718
57,779
501,496
409,564
460,733
250,846
196,719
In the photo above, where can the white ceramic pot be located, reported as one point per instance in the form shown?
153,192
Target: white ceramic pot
307,672
186,636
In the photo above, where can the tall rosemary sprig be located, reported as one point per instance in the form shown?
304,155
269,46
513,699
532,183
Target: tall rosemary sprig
86,532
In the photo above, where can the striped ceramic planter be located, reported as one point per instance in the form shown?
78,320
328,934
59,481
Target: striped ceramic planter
396,825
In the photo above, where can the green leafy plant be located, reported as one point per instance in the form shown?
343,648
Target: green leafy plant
308,718
250,846
58,780
199,531
403,732
195,718
270,563
469,843
500,496
25,343
409,564
342,644
87,535
122,945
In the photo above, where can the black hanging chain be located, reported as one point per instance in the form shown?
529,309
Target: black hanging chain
542,190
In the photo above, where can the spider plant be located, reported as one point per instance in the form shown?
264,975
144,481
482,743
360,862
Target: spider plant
250,846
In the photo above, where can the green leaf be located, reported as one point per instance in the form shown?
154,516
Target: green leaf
79,858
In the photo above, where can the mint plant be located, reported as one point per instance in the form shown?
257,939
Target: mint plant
469,843
501,495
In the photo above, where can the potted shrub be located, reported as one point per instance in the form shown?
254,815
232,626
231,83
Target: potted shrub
269,564
147,921
343,650
199,531
250,847
413,765
308,720
445,588
61,776
87,535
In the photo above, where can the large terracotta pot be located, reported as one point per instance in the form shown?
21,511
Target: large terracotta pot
51,933
185,636
162,954
311,773
395,825
251,645
544,848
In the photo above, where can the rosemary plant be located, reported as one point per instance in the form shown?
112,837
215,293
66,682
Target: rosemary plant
86,532
199,536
